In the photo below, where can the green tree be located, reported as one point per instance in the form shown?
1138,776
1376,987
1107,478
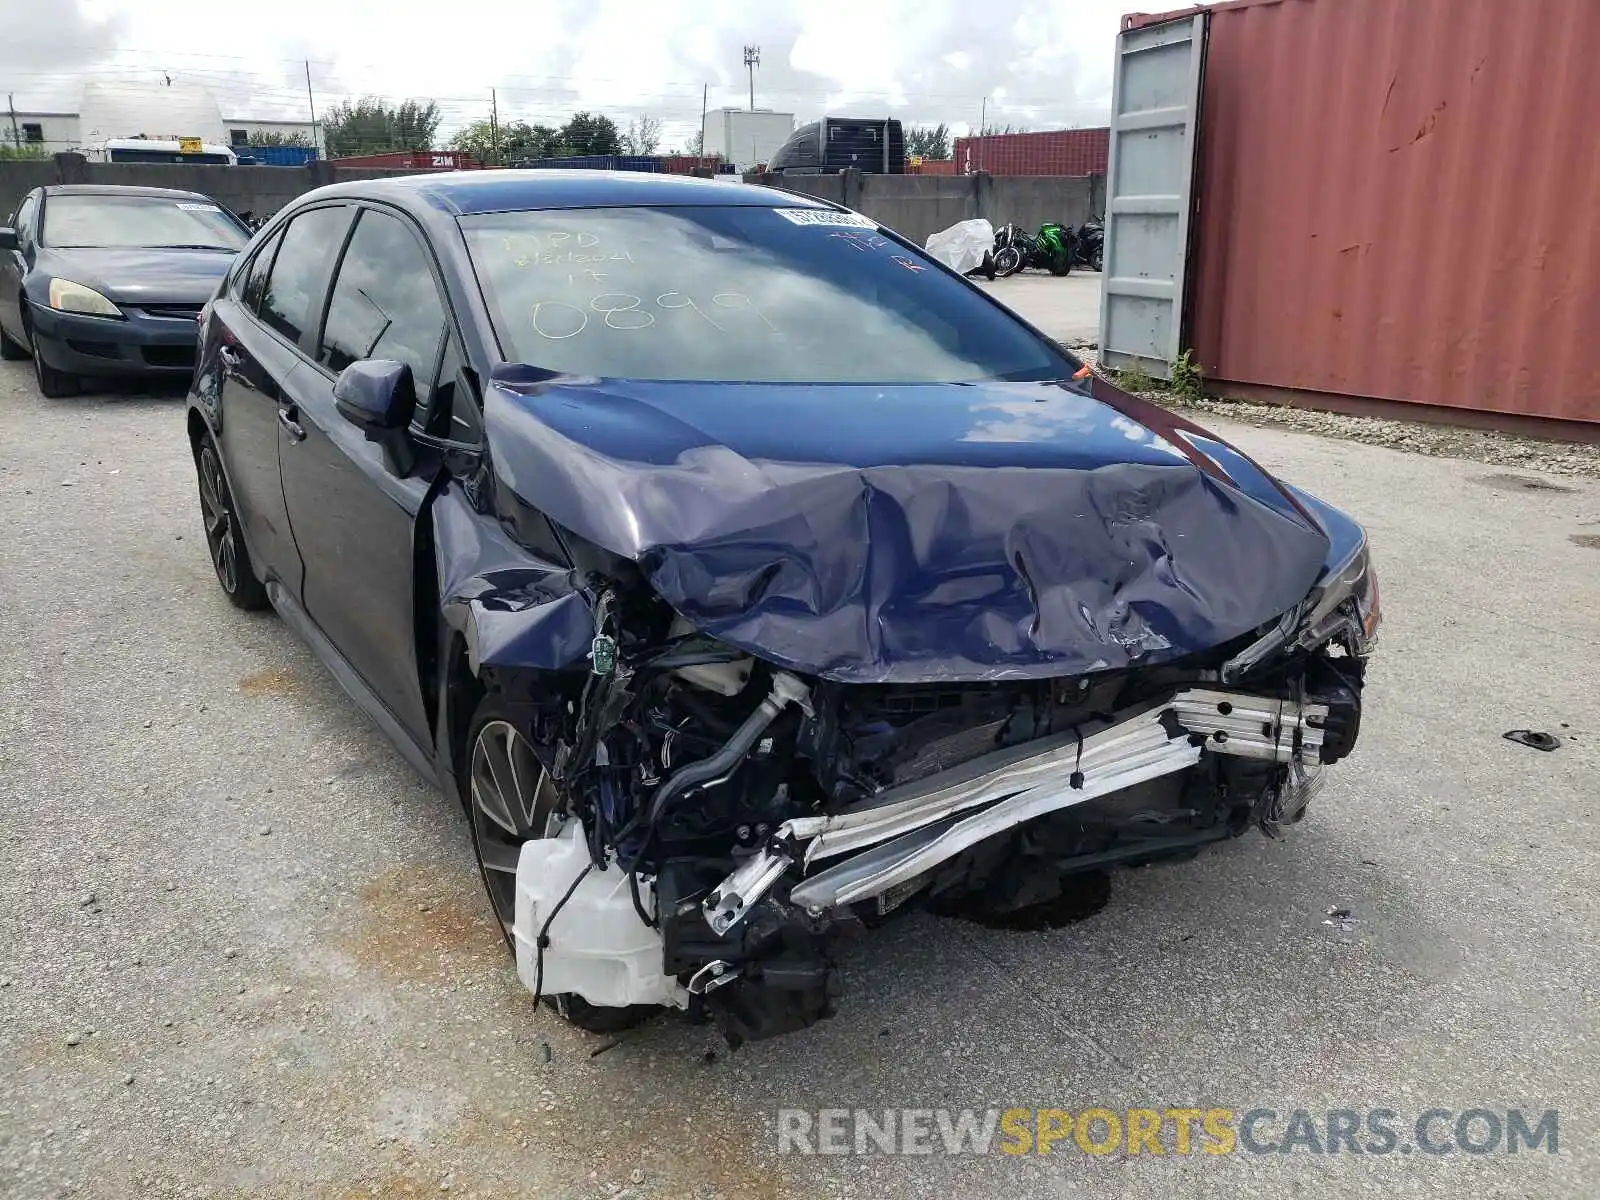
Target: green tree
929,141
643,136
27,150
276,138
514,141
590,133
372,126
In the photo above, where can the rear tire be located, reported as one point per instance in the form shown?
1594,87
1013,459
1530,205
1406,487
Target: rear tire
1061,264
230,558
510,798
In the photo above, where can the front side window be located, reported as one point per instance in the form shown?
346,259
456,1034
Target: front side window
308,246
110,221
24,217
384,303
738,294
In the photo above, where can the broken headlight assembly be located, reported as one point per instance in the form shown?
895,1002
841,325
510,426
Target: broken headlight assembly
1344,607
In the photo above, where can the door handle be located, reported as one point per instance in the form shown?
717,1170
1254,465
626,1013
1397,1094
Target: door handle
286,418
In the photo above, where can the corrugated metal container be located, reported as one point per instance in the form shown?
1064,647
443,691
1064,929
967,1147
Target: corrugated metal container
281,156
1050,152
688,164
1397,200
595,162
415,160
931,166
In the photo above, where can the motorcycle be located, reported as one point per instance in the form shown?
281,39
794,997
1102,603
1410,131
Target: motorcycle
1088,246
1051,249
1012,248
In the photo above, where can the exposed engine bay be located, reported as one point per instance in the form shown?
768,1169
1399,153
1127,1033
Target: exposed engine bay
722,822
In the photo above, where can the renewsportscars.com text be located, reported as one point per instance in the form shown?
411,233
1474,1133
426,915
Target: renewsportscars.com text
1213,1131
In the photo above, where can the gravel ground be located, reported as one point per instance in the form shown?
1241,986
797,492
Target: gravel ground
244,952
1417,437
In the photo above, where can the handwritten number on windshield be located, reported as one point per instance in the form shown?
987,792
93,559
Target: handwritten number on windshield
686,302
627,315
559,320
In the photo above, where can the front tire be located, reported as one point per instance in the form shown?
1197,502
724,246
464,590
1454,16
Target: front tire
1007,261
511,800
53,384
230,558
11,351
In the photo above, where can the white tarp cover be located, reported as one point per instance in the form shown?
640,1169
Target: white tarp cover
963,245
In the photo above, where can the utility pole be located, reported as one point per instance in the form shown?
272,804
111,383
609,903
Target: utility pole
16,134
705,92
752,60
311,100
983,129
494,126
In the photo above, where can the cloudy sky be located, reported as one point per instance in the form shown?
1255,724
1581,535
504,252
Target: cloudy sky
1041,63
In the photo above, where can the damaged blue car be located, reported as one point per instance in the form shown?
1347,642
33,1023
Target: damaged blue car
749,575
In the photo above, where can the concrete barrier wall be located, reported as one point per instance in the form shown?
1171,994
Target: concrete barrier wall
912,205
260,191
917,205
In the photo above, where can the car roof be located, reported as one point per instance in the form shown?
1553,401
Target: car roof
466,192
119,189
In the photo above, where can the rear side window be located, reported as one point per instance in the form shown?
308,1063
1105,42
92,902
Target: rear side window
309,244
255,282
384,303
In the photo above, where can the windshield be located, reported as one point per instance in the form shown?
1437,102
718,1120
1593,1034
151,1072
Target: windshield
139,222
738,294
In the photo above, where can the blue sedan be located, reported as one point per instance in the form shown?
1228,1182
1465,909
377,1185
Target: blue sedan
109,281
749,575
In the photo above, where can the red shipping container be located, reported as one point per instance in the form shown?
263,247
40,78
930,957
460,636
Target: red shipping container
1395,202
1052,152
414,160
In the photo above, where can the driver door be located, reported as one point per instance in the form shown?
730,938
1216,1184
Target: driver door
353,517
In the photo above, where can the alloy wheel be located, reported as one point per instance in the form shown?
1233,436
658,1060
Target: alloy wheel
217,512
514,800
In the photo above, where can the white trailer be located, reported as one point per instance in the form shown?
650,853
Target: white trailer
746,138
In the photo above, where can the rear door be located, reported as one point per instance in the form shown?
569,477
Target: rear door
1155,104
260,335
354,518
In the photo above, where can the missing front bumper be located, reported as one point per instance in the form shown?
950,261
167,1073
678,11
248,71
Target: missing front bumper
905,831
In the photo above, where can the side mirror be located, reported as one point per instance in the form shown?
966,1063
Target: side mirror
378,397
376,394
8,240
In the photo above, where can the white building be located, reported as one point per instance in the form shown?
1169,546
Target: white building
743,137
57,132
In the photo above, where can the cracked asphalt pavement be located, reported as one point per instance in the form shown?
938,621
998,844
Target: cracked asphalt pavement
244,950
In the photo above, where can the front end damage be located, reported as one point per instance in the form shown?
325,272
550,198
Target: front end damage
727,821
784,682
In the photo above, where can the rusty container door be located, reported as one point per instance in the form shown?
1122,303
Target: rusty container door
1398,201
1155,99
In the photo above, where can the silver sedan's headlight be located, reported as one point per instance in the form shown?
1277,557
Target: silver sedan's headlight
67,296
1345,604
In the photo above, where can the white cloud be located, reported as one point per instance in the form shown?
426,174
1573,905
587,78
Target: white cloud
1045,63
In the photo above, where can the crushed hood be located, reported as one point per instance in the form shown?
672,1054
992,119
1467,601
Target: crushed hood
914,533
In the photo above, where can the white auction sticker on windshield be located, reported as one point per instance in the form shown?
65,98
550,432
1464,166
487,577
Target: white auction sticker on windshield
825,216
189,206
